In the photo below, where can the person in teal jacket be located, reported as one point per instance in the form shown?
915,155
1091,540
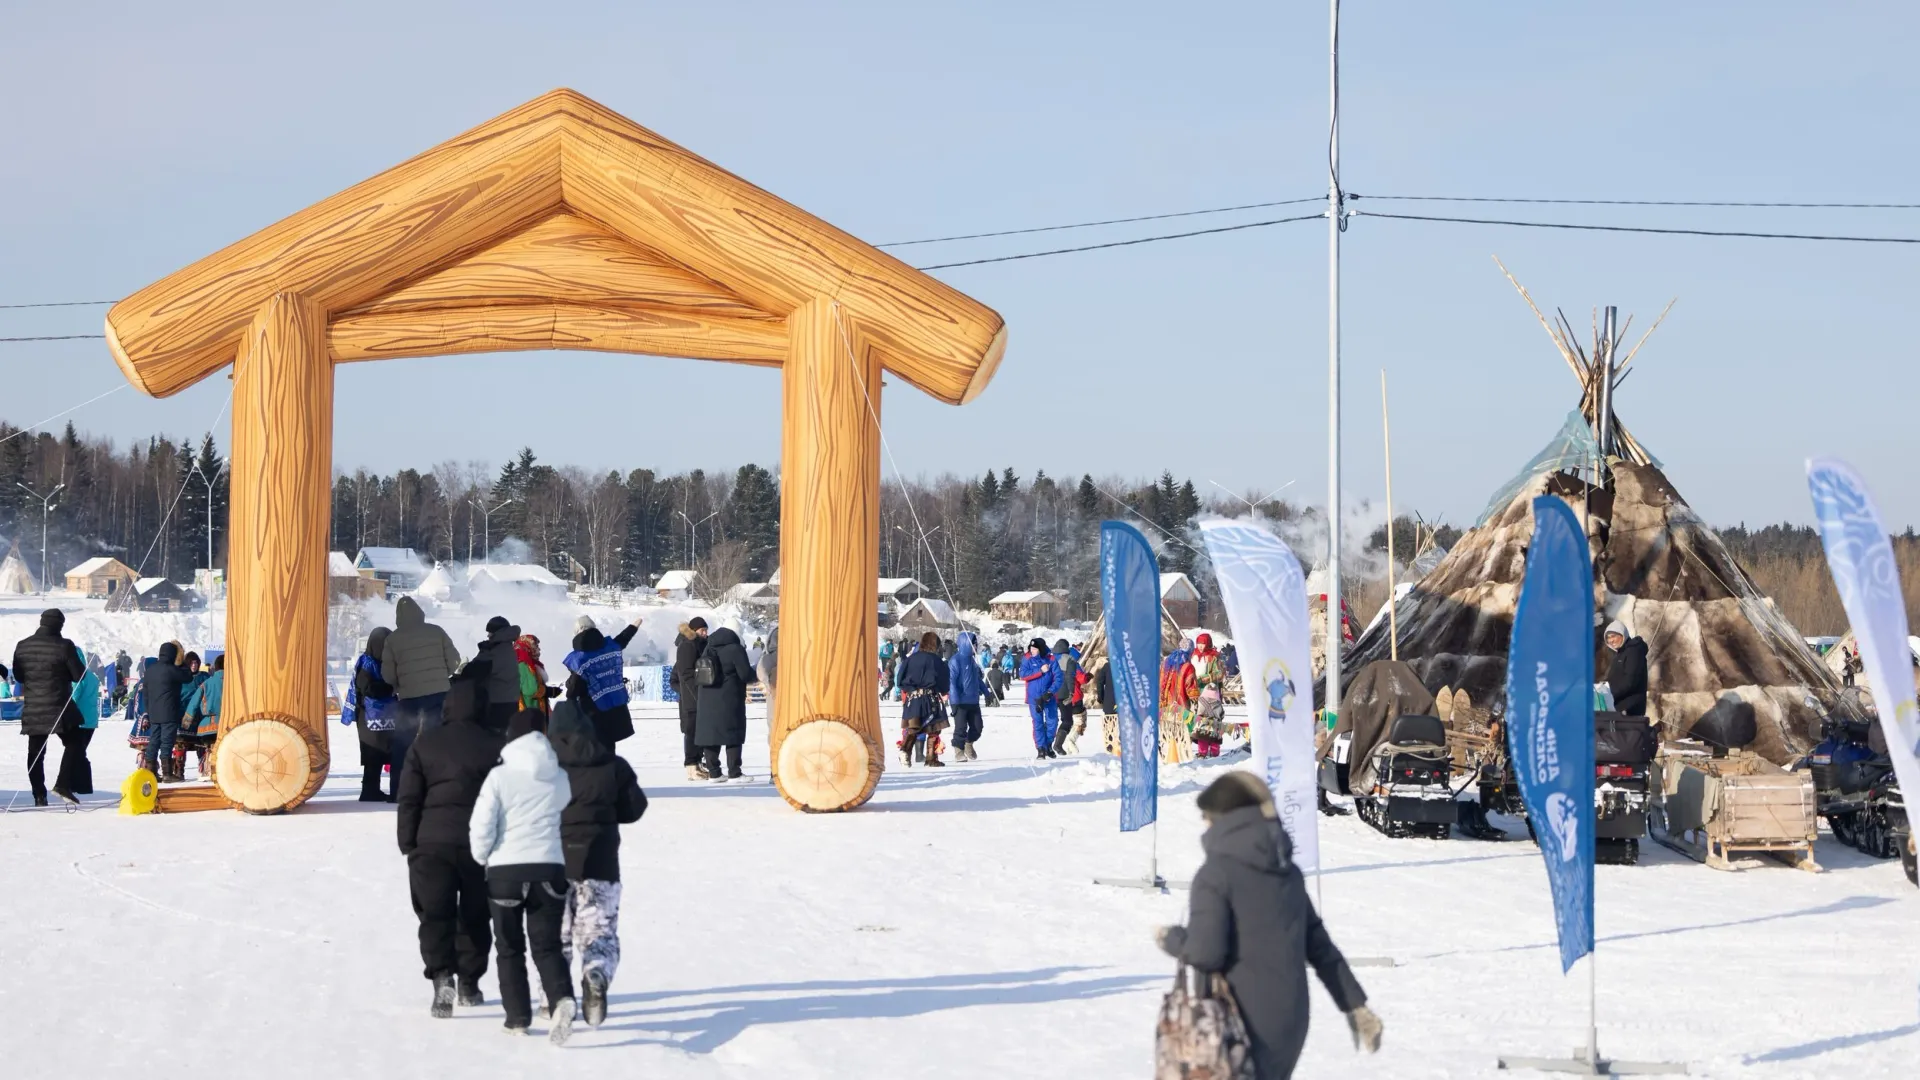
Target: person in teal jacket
75,777
200,723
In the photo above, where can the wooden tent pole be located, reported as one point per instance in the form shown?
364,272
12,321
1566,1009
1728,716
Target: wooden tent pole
1386,436
272,751
827,750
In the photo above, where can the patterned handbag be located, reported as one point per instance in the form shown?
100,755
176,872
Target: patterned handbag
1201,1035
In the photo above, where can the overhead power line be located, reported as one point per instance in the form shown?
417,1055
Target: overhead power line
56,337
63,303
1645,202
1109,221
1642,229
1126,243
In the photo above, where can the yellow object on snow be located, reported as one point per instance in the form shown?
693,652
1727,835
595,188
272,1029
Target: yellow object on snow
139,793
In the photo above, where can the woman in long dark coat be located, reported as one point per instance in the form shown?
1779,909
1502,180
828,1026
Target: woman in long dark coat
1251,920
722,717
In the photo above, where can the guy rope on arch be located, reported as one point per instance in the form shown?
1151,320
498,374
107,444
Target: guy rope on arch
558,225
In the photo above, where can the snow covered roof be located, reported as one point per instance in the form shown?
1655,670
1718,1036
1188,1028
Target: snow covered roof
514,573
390,560
338,565
439,584
1029,597
894,586
1177,587
677,580
751,590
938,611
95,565
147,584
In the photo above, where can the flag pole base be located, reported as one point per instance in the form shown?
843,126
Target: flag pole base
1155,883
1372,961
1580,1064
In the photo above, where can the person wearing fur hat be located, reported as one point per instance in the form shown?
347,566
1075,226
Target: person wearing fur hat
1249,919
688,644
1627,674
1042,677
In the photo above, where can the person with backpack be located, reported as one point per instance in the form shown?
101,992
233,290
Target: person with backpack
418,660
438,782
1071,682
687,647
722,675
924,682
966,685
1250,920
605,796
515,835
1042,677
597,680
370,706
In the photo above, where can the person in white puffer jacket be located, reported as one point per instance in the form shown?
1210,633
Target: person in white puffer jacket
515,834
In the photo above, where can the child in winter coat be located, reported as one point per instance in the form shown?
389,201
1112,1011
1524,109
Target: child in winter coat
1042,677
606,795
515,835
370,708
1250,920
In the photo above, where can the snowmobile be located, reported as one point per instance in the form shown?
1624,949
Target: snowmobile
1845,772
1409,794
1623,751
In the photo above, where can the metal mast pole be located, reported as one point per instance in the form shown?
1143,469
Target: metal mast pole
1335,222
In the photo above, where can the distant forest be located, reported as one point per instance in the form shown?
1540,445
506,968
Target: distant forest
966,538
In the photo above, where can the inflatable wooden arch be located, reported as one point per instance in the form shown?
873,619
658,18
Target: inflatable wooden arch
560,225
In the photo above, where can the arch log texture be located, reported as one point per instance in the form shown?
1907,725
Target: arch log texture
557,225
830,466
272,751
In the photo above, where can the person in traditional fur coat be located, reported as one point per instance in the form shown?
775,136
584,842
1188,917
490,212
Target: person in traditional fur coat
1250,920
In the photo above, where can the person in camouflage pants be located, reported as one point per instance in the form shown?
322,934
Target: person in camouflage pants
590,929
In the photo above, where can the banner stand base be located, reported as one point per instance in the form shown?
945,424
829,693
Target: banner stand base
1155,883
1580,1064
1372,961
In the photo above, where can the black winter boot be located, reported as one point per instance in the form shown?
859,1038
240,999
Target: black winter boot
470,995
593,993
442,996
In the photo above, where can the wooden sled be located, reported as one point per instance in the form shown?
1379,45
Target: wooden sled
1718,810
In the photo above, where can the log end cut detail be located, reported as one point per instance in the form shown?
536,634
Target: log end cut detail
266,764
825,765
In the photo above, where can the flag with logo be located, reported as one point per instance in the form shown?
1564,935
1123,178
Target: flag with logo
1550,714
1266,598
1861,558
1130,596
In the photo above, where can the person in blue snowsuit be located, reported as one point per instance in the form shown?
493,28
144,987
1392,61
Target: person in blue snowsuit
966,685
1042,676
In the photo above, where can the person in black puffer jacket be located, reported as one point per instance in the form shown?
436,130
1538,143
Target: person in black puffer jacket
439,783
47,665
606,795
503,666
687,647
162,680
1251,921
1627,673
722,717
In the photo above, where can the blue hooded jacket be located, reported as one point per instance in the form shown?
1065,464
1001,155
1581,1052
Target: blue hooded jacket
966,683
1041,674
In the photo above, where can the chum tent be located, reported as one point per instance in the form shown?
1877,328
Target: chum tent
1715,643
15,578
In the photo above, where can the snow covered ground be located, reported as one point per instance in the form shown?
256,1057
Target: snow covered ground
950,929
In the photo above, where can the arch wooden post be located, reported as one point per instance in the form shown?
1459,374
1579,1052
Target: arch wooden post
272,753
828,749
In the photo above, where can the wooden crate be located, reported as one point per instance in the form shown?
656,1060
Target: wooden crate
187,798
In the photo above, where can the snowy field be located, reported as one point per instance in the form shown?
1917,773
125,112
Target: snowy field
951,929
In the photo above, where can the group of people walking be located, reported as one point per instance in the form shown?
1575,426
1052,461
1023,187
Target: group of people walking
64,692
510,799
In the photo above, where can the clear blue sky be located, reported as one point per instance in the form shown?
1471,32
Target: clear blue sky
140,137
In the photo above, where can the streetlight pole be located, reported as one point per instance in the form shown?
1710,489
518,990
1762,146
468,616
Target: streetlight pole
693,533
1253,505
486,526
208,480
46,507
